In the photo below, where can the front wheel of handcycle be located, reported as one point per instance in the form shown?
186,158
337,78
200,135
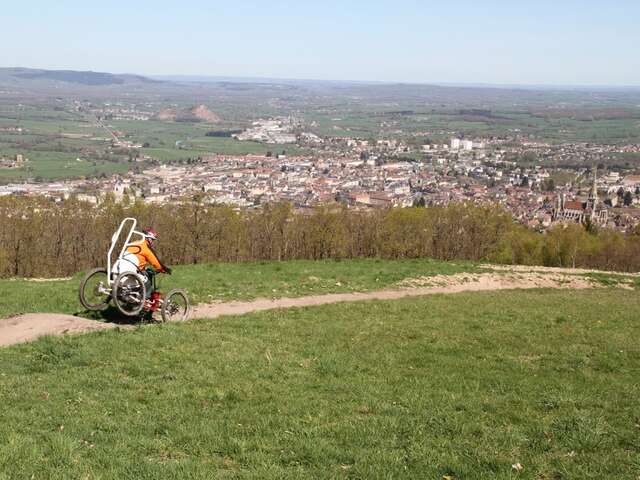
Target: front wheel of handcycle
95,292
175,306
129,293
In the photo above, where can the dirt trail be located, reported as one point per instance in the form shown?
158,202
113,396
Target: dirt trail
540,269
412,287
25,328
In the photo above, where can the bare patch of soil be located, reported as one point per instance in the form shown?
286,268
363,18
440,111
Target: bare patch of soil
25,328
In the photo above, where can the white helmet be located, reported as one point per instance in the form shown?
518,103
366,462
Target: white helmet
150,234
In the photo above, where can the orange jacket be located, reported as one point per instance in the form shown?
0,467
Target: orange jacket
145,255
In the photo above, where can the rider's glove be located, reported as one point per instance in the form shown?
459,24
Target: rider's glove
167,270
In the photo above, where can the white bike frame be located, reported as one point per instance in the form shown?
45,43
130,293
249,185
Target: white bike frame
114,241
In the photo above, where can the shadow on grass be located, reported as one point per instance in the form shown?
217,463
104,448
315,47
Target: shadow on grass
112,315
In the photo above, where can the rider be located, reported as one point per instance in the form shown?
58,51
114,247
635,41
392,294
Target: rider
145,258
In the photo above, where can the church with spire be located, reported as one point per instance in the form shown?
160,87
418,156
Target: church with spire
590,211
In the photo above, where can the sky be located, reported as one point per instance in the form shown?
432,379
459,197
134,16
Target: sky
560,42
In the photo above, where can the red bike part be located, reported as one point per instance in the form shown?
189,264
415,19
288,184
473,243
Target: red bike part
153,304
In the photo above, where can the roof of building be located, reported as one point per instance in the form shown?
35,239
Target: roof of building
573,205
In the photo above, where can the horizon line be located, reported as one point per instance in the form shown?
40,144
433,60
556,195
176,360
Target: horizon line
203,78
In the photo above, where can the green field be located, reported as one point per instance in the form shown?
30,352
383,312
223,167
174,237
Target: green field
441,125
162,138
65,144
224,281
52,165
57,133
58,144
200,147
463,386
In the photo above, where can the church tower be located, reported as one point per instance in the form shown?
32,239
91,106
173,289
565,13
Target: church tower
592,202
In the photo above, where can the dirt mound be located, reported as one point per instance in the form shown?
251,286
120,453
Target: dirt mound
167,115
204,114
199,113
573,271
496,281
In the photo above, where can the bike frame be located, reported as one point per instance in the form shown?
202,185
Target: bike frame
129,225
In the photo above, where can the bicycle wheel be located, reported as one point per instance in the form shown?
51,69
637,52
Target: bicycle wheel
175,306
95,292
129,293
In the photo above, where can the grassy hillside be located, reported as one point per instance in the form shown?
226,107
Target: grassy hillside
462,385
223,281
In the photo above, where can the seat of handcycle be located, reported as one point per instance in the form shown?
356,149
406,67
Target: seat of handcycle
128,263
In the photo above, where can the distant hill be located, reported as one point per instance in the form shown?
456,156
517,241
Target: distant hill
20,83
204,114
72,76
199,113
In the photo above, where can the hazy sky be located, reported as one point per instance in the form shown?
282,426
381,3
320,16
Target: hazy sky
484,41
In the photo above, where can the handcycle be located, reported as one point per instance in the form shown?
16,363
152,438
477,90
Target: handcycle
126,285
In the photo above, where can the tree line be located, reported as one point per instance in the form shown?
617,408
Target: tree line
43,238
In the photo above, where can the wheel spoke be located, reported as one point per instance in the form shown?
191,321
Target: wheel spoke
176,306
129,296
94,290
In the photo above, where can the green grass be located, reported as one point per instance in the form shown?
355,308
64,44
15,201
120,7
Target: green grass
462,385
226,281
614,280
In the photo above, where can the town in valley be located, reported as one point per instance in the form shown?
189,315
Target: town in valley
378,147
